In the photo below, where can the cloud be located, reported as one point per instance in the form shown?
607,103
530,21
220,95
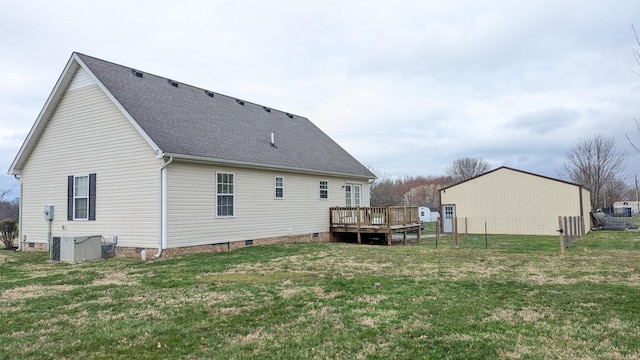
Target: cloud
405,86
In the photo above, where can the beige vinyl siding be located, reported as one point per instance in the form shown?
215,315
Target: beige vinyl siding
512,202
191,204
80,80
88,134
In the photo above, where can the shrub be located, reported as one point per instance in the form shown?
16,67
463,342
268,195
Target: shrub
8,231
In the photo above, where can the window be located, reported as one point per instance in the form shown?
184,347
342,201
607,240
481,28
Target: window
352,194
324,189
81,197
225,194
279,187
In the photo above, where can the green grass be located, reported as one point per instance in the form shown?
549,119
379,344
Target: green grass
518,299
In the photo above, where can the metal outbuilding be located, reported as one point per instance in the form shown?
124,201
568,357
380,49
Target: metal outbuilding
511,201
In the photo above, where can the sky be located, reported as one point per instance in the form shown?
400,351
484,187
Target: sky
406,87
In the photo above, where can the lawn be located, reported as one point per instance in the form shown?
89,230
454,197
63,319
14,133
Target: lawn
518,299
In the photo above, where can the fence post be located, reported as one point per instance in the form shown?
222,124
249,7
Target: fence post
561,231
567,232
437,231
455,230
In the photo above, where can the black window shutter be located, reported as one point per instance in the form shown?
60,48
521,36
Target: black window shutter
92,196
70,198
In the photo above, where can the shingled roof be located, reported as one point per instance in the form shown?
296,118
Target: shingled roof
188,122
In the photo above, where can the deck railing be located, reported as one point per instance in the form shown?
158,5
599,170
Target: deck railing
375,216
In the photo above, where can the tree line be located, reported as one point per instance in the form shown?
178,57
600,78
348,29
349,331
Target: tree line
595,162
423,190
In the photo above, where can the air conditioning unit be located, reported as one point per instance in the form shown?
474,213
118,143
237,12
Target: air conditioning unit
80,248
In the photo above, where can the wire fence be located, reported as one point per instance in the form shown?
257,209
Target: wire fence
537,233
533,225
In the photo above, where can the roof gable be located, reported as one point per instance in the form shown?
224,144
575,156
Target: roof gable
506,168
192,123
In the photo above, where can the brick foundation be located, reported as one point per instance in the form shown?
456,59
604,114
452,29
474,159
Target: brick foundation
136,252
29,246
321,237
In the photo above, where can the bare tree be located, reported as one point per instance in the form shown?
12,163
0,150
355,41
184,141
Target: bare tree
8,208
636,52
4,192
636,55
8,218
595,163
465,168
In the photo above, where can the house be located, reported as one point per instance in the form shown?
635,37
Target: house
165,167
626,208
511,201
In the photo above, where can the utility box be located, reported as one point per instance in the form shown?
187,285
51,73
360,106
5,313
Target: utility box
80,248
48,212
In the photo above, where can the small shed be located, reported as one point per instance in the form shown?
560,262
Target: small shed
511,201
428,214
425,213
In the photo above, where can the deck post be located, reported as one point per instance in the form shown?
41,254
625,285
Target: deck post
404,215
359,238
330,225
404,237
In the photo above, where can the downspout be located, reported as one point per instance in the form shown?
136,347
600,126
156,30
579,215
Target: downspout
163,206
19,179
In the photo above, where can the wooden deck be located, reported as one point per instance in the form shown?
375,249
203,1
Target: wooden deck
375,220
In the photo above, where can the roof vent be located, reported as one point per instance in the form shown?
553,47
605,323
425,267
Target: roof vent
173,83
240,101
289,115
209,93
136,73
266,109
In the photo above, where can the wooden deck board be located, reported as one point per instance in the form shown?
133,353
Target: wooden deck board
375,220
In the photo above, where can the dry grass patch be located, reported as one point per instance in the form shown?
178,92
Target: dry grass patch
290,292
34,291
511,316
117,278
324,295
372,299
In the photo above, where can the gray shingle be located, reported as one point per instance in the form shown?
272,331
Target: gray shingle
184,120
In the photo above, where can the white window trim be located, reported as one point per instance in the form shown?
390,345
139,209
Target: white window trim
75,179
233,195
320,189
276,187
360,193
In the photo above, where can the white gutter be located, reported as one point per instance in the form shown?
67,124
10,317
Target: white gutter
19,178
163,207
250,165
